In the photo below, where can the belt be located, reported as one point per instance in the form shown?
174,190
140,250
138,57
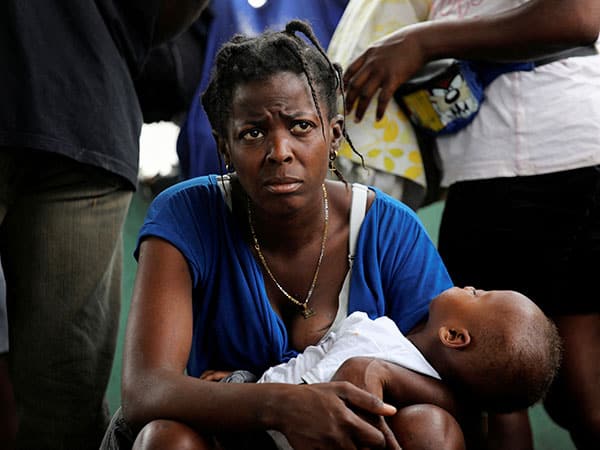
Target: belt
586,50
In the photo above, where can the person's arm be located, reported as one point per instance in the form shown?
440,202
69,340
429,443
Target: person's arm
522,33
396,384
175,16
154,385
407,390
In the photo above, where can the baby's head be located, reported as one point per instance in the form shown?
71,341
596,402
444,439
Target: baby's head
498,347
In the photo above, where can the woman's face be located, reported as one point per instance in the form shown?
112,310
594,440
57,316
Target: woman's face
276,144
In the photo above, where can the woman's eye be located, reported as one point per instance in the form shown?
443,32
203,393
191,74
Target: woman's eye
301,127
252,134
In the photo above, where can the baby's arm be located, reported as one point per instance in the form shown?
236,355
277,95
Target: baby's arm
399,386
426,407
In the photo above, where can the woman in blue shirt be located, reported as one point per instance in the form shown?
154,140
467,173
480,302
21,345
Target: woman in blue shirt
245,271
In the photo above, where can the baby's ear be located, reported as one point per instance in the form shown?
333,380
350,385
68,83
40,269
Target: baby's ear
454,337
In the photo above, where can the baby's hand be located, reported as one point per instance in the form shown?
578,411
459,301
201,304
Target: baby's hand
365,373
369,375
214,375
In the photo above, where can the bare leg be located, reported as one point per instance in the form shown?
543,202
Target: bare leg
426,427
574,399
8,410
161,434
509,431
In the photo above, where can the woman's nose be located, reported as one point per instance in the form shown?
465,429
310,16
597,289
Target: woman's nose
280,150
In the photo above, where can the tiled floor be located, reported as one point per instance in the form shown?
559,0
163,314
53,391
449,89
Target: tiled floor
547,436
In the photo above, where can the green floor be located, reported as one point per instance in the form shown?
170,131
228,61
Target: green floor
547,436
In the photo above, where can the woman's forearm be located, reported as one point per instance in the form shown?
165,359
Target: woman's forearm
208,406
308,415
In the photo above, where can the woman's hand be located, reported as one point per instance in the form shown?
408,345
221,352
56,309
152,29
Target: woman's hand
335,415
383,67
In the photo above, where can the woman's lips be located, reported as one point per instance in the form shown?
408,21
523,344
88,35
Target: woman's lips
283,186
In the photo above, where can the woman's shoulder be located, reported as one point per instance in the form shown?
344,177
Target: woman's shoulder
384,206
375,196
205,185
190,215
193,194
185,208
384,214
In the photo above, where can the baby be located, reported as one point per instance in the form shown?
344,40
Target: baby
478,350
495,349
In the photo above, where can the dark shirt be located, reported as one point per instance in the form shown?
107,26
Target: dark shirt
66,82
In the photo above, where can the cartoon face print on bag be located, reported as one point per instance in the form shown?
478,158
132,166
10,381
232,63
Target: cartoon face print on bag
452,98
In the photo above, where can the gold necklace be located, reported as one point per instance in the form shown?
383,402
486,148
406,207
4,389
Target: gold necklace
307,311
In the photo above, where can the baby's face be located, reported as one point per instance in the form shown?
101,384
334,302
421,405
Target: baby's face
487,305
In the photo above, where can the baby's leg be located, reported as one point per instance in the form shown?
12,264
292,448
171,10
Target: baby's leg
426,427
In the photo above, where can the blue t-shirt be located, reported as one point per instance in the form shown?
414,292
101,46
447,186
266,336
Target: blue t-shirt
396,272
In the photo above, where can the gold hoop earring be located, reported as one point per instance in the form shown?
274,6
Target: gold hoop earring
332,158
333,168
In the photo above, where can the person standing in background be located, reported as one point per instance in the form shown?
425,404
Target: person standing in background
394,157
8,412
69,131
523,177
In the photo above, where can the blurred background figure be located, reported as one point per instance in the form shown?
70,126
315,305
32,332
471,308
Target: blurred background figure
523,177
397,160
69,137
8,411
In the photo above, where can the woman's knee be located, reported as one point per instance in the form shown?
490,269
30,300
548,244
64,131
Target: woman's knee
427,427
161,434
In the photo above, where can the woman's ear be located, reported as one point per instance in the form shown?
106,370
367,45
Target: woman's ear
222,149
337,131
454,337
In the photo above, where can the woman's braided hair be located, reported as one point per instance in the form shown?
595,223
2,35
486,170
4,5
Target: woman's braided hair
244,59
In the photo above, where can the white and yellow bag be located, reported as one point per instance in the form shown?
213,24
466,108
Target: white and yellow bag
389,145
